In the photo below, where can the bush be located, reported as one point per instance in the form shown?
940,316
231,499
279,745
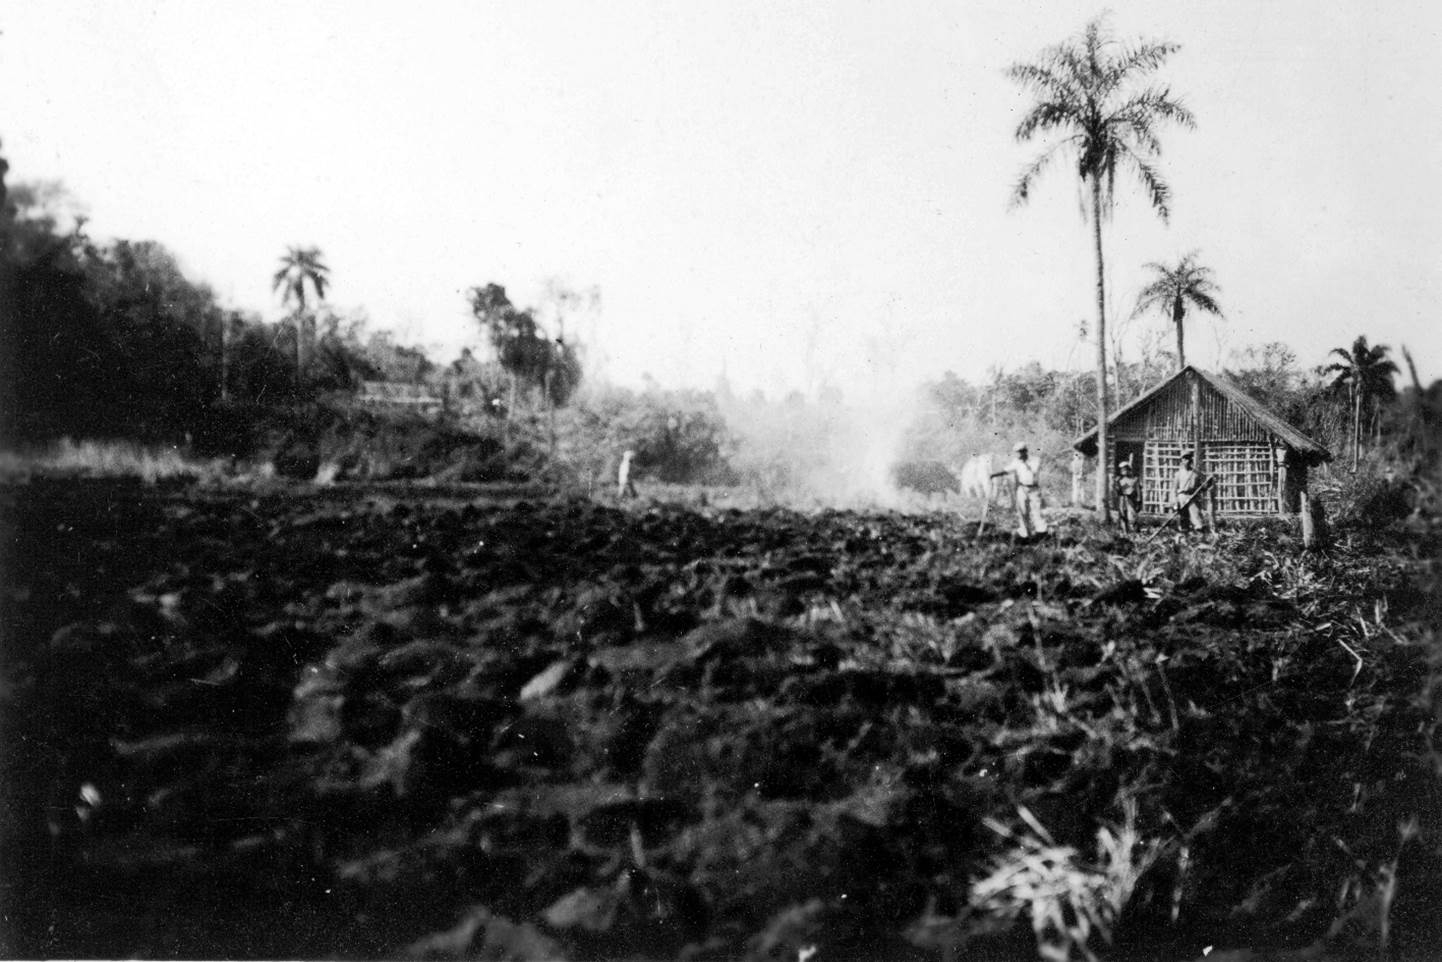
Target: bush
1370,497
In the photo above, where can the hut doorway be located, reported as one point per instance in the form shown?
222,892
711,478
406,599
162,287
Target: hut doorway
1129,452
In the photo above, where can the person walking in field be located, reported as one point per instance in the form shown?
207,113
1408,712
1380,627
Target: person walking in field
625,487
1129,496
1026,490
1185,483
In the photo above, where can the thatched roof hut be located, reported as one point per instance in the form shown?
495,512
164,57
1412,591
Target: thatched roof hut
1259,460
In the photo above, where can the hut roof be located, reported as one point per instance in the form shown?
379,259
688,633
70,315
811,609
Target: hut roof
1310,450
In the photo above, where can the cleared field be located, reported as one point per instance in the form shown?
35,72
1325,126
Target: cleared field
363,722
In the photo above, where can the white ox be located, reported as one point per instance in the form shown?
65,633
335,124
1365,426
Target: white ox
976,479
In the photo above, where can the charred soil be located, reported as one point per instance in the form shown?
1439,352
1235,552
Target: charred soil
367,723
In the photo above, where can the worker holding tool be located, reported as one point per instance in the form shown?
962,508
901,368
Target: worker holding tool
1023,472
1186,483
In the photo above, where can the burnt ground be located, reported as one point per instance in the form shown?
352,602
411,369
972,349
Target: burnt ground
375,722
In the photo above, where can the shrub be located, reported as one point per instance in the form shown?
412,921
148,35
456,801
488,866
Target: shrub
1368,498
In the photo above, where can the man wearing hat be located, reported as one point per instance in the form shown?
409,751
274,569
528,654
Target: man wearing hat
1129,496
1184,485
1028,492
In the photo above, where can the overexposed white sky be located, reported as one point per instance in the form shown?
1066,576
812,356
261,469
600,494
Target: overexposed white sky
795,192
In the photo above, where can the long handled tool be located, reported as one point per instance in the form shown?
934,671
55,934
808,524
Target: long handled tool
1182,507
985,507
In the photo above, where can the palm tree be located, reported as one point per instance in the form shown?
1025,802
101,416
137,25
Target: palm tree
1173,288
299,267
1090,99
1367,374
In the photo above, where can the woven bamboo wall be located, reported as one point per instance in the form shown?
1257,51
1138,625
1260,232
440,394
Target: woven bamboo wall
1160,460
1246,475
1230,444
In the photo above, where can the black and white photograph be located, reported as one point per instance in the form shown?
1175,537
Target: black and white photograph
758,480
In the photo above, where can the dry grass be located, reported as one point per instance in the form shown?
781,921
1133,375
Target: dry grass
1070,900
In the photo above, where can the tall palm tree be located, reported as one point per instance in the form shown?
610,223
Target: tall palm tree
1366,373
1174,288
300,267
1093,104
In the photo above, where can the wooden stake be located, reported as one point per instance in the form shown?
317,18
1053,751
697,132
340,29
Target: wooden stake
1314,534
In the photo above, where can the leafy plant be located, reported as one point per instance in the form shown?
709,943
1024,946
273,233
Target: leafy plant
1069,900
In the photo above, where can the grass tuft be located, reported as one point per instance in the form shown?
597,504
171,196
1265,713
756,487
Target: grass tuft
1070,900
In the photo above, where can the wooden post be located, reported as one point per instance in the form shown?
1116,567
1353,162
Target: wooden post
1279,454
1314,523
1078,467
1309,530
1196,404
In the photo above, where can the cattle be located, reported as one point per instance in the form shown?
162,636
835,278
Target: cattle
976,479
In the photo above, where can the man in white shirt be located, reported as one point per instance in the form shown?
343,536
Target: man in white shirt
1023,472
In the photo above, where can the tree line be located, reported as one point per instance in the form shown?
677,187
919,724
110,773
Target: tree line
112,340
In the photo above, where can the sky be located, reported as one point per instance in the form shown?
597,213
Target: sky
792,194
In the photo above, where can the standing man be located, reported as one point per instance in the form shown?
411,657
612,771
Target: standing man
1023,473
1129,496
1184,485
625,487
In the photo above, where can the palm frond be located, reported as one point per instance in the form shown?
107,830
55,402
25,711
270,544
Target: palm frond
1159,193
1021,192
1147,301
1146,56
1205,301
1046,116
1042,78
